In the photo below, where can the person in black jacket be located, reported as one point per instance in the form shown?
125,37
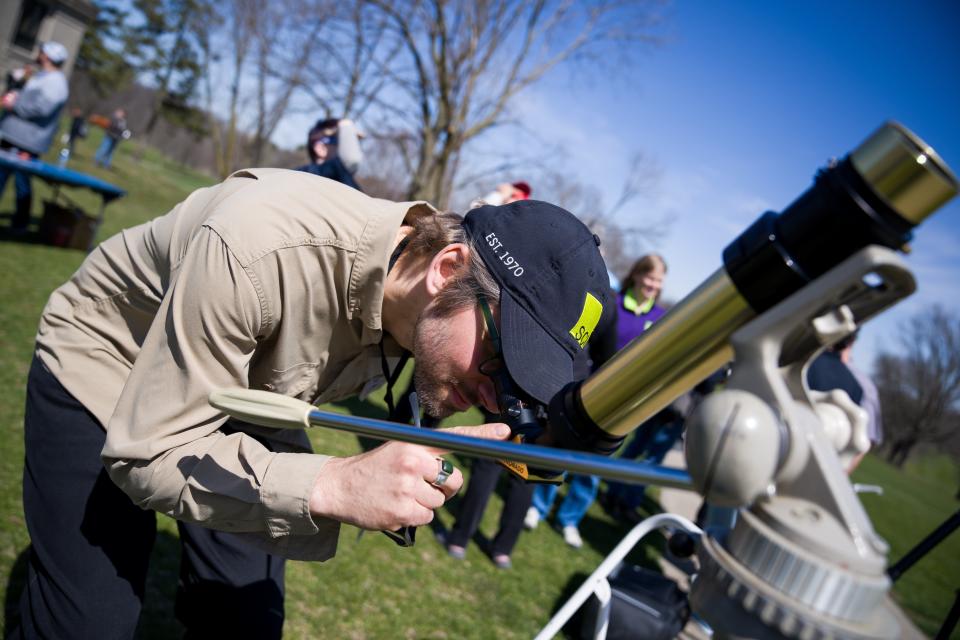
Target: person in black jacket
829,371
333,146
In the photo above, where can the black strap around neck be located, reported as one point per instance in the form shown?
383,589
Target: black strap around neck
391,378
397,251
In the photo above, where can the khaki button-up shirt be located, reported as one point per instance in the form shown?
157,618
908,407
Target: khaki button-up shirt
271,280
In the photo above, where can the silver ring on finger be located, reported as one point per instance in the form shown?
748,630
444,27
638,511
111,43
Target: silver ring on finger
444,472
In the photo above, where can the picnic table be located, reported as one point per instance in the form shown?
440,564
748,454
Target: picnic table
64,223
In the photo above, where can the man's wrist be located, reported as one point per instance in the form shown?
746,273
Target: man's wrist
324,498
286,491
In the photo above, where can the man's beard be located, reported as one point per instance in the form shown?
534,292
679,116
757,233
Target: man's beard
428,351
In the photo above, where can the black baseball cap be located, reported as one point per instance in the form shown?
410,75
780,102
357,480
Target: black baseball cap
554,288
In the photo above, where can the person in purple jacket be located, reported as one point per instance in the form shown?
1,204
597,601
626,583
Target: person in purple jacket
637,309
637,306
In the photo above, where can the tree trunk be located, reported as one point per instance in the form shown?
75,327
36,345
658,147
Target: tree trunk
900,451
164,87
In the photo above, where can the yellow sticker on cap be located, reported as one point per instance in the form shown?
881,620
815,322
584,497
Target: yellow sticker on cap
589,317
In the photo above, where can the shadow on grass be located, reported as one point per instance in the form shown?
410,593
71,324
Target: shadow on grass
573,626
30,235
357,407
157,620
603,537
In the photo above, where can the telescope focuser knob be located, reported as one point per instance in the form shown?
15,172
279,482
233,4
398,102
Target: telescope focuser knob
733,447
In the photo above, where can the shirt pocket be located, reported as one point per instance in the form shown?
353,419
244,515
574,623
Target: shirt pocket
298,381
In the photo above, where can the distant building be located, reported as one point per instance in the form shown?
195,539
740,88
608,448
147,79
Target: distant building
25,24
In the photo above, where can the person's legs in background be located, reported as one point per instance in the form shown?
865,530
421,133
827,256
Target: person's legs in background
21,183
515,505
616,494
21,216
4,178
101,150
665,439
580,495
105,152
620,499
483,480
623,500
541,503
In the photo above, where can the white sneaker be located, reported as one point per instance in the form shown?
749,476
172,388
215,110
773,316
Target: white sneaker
571,535
532,519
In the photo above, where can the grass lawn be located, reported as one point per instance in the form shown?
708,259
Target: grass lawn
916,501
374,589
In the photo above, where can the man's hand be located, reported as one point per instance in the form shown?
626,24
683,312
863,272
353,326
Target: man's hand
390,486
9,99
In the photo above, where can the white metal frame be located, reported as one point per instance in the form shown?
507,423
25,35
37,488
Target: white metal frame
598,584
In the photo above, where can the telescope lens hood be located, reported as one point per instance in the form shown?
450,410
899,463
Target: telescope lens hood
874,196
839,215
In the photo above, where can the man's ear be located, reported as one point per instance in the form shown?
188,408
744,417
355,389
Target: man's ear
445,265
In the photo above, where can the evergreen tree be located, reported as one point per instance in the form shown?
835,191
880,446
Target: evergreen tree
103,52
165,49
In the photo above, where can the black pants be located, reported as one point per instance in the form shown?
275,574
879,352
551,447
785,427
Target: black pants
90,545
23,191
483,480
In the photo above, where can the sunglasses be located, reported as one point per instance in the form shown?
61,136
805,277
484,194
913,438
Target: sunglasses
493,365
327,140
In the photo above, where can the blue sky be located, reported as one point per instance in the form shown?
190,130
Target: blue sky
742,104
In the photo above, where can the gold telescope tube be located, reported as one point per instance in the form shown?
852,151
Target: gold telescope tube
683,348
889,184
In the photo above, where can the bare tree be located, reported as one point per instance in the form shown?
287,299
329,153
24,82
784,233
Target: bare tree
348,76
238,18
165,48
624,236
920,388
269,51
287,36
466,60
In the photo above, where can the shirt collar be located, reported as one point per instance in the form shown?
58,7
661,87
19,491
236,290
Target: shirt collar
631,304
369,274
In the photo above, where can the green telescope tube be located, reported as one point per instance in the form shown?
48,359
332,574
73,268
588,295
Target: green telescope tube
874,196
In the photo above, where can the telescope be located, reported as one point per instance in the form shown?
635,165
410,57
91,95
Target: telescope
802,559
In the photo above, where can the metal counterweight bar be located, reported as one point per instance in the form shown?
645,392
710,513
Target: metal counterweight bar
537,456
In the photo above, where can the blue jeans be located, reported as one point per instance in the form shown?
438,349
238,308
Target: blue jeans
651,447
580,495
24,196
105,151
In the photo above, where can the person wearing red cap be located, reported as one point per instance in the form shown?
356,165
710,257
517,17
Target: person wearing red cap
505,193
